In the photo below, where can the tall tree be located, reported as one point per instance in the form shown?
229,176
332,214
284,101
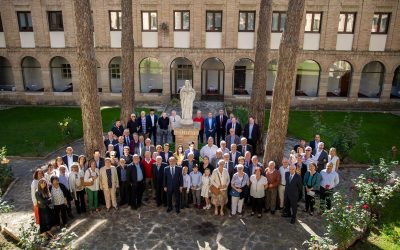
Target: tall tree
260,69
127,48
89,98
279,115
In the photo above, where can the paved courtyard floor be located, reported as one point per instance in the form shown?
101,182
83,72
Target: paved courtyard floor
153,228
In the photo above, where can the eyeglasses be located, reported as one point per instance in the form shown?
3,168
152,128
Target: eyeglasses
308,150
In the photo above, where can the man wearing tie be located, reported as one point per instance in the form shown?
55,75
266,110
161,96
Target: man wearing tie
136,177
152,119
173,184
293,191
166,154
69,158
243,146
139,148
158,181
236,126
210,126
127,137
221,120
119,148
252,133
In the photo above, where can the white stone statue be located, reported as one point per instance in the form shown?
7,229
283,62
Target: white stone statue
187,95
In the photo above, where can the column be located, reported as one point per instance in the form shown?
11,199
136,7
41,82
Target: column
46,78
105,81
323,86
18,79
355,86
387,87
228,91
197,81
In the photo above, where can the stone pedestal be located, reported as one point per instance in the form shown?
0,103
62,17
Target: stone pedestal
185,135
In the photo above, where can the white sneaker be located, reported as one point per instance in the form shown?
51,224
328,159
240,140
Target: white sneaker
209,206
205,207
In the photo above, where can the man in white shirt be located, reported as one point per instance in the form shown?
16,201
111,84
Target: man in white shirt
174,122
321,157
209,150
281,189
329,180
69,158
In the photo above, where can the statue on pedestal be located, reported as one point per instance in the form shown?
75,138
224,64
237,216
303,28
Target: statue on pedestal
187,95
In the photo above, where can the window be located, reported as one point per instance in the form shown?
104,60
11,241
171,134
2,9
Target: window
380,23
278,21
182,20
247,20
346,22
149,21
24,21
313,22
115,71
115,20
66,71
1,25
214,21
55,21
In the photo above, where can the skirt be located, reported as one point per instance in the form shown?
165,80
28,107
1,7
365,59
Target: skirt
46,219
221,199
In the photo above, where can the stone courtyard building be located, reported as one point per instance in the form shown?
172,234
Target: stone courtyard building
350,51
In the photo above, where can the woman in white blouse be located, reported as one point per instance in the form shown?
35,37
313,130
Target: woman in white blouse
92,185
220,179
332,157
258,184
77,189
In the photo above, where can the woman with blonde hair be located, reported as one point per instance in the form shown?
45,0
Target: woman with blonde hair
179,155
334,159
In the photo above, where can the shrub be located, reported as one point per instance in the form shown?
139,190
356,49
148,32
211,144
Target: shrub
5,207
67,128
6,175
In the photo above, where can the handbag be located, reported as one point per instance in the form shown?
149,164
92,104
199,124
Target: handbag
215,190
245,192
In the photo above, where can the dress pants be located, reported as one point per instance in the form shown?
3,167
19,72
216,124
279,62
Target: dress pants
196,196
326,198
237,205
281,193
60,210
137,193
173,136
160,195
201,136
220,135
80,202
164,136
110,195
290,207
257,204
184,198
123,192
177,195
153,132
270,198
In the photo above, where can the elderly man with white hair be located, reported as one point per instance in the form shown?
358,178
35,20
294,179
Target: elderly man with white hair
320,157
293,191
209,149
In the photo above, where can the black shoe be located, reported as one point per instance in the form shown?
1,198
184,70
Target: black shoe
177,211
158,205
292,220
272,212
286,215
266,210
169,210
134,207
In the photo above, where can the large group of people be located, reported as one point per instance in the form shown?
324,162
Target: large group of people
225,173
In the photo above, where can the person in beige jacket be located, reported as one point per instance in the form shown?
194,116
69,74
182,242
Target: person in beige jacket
109,183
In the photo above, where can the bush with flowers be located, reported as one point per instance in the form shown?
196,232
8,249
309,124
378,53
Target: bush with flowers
352,214
67,128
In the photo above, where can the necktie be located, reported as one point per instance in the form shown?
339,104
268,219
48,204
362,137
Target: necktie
233,126
290,179
226,165
221,121
173,171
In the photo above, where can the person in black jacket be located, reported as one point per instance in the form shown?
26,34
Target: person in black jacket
110,139
220,121
157,170
173,184
136,177
133,125
190,162
69,158
124,188
118,129
60,197
293,192
252,133
46,218
163,123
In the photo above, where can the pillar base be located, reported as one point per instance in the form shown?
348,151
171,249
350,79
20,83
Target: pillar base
185,135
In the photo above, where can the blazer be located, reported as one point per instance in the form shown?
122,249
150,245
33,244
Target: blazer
137,151
255,133
173,183
101,163
164,159
118,131
248,148
131,174
108,142
74,159
152,149
133,126
116,149
251,167
231,169
238,128
104,181
218,122
228,141
235,161
126,140
128,159
293,189
158,175
139,122
322,160
207,125
148,118
195,152
185,163
119,172
313,146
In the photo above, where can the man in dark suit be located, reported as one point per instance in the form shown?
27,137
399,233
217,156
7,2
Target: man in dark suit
220,121
69,158
166,154
243,146
136,178
110,139
234,154
252,133
293,192
189,162
119,147
124,187
195,152
314,143
118,129
321,156
158,180
127,137
148,146
210,126
173,184
98,159
139,147
254,163
152,120
231,138
236,126
144,124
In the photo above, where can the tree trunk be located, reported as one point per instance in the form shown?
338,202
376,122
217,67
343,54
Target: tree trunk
279,115
127,44
89,98
260,71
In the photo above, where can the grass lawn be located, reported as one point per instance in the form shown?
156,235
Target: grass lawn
33,131
380,131
386,234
